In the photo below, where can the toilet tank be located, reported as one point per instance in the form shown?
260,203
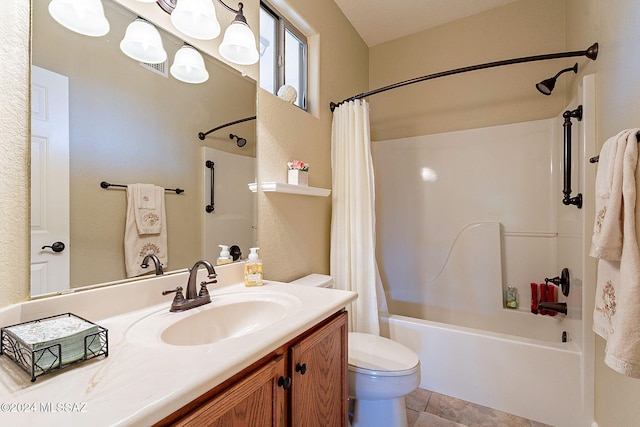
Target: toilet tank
317,280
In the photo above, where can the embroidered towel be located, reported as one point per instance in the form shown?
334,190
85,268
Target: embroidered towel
137,245
148,203
615,243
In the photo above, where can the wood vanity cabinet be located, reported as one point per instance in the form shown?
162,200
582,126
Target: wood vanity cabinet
302,384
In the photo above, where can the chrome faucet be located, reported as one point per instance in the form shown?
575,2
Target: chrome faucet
193,298
156,262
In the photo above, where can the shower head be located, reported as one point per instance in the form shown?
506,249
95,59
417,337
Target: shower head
240,141
546,86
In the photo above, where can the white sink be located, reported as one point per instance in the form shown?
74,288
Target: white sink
228,316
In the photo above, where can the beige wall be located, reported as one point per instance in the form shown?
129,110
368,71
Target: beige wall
14,151
615,26
294,231
475,99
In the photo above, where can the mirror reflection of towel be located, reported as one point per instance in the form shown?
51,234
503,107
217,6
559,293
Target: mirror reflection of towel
148,205
139,244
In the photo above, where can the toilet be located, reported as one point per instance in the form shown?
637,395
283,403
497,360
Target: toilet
381,373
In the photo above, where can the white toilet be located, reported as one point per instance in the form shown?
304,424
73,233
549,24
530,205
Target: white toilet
381,373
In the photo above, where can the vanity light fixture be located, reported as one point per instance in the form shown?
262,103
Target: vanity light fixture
197,19
188,66
143,43
81,16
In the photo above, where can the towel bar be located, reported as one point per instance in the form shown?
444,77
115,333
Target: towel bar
596,159
105,184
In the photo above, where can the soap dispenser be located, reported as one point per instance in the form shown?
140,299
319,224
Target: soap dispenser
225,257
253,269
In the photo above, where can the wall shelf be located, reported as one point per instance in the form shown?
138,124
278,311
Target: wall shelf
281,187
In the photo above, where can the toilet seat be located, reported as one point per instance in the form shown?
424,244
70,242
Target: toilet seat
379,356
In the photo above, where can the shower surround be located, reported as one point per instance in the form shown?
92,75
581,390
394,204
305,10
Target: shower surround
461,216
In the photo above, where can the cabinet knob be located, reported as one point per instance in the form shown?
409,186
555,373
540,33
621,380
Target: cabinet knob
301,368
284,382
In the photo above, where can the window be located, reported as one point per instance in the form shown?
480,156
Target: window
283,55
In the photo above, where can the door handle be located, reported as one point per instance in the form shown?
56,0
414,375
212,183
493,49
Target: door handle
55,247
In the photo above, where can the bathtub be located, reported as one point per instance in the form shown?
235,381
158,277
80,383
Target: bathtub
531,378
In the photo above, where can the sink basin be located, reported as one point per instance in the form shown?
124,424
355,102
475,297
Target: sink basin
224,322
227,317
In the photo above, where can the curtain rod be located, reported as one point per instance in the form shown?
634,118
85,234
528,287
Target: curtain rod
203,135
591,53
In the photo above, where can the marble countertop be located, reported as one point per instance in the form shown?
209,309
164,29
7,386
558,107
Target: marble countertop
140,383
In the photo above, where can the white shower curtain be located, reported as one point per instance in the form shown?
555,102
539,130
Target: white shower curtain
353,262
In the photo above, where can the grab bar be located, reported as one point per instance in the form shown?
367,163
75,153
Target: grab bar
568,200
209,208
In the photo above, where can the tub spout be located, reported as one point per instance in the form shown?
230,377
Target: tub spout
560,307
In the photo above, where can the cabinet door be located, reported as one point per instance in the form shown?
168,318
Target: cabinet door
319,387
255,401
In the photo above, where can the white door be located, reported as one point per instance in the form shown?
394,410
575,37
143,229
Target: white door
49,181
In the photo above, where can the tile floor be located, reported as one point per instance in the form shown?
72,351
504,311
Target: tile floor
429,409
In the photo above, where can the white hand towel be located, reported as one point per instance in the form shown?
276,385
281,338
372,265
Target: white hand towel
617,311
148,203
137,245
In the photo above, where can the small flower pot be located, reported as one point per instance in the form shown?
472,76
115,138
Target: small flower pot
298,177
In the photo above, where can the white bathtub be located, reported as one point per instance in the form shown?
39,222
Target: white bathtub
531,378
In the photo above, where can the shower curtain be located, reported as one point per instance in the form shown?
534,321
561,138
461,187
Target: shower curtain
353,262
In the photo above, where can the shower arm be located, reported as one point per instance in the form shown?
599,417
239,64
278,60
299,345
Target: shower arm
591,53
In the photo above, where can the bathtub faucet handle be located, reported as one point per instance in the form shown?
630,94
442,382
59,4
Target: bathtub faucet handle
564,281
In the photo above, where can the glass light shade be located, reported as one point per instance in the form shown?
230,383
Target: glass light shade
239,44
188,66
147,1
196,19
81,16
143,43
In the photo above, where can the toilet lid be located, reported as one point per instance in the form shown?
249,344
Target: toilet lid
380,356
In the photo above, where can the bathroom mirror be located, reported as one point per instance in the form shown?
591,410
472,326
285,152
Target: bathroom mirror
130,123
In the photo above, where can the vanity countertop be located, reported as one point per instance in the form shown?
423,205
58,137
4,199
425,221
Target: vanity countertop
140,383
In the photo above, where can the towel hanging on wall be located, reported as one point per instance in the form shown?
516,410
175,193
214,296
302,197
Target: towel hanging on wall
615,243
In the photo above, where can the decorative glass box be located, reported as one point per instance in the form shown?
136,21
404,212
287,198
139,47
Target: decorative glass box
45,345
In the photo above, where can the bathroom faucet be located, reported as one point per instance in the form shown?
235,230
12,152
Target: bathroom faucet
193,274
560,307
193,298
156,262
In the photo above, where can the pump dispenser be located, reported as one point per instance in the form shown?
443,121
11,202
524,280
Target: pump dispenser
225,257
253,269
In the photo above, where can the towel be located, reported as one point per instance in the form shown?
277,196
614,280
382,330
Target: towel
148,204
616,243
138,244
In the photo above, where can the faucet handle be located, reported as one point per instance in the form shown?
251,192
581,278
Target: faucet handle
203,287
179,297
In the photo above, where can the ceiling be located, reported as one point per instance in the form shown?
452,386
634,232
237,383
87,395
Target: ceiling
379,21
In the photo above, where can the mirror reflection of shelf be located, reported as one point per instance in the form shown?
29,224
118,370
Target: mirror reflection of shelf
281,187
